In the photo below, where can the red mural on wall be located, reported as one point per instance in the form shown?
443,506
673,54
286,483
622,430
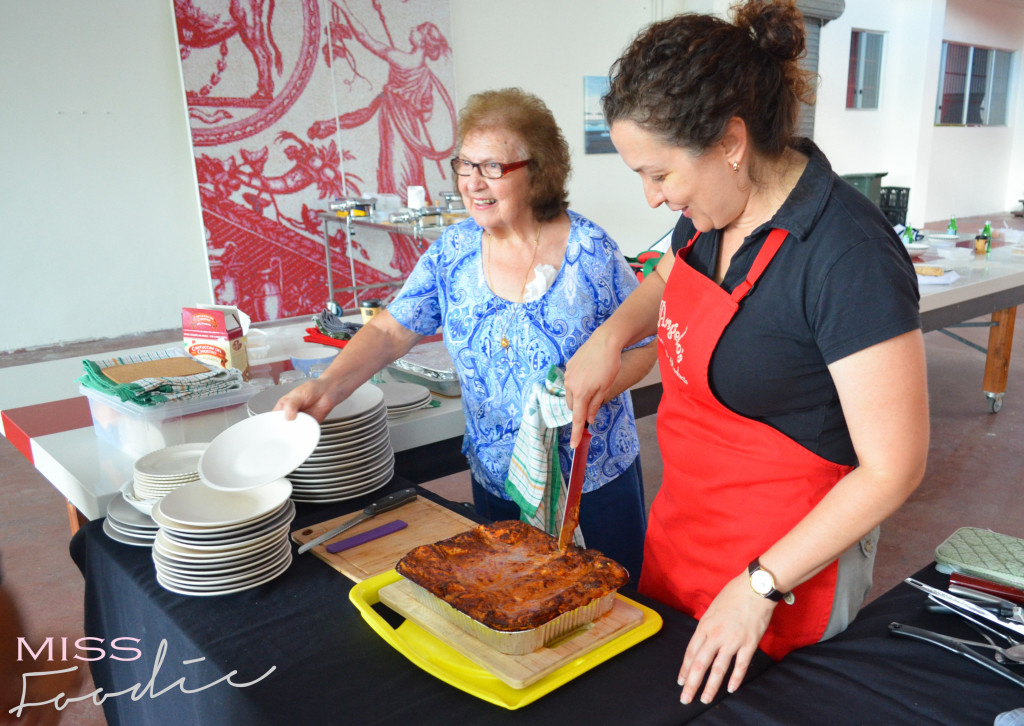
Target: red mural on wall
293,103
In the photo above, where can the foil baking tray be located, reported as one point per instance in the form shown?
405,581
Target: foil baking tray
518,642
430,365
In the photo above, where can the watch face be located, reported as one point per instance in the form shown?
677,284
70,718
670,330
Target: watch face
762,582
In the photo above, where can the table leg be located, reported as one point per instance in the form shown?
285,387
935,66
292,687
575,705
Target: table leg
997,362
75,518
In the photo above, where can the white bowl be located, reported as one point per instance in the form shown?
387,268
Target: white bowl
143,505
954,253
936,239
306,356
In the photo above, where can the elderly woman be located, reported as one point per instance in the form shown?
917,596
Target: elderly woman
515,289
795,416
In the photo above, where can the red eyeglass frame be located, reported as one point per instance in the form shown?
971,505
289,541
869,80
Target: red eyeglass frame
505,168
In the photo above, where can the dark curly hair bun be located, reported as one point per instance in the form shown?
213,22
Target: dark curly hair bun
776,27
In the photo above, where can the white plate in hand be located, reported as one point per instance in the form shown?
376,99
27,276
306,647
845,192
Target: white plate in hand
258,450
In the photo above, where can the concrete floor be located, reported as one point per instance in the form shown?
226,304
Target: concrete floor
975,477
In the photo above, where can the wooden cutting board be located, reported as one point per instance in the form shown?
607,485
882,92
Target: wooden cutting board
518,671
427,522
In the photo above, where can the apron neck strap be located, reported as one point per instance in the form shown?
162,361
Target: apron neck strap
775,239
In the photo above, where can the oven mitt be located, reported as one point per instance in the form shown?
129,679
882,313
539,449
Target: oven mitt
983,553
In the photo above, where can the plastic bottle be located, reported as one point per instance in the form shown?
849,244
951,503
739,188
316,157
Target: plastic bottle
951,229
908,235
988,236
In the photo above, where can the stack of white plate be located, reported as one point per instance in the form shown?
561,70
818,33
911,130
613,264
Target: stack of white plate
265,400
403,398
354,454
159,473
126,524
214,542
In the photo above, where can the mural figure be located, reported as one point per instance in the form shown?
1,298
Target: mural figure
404,105
263,182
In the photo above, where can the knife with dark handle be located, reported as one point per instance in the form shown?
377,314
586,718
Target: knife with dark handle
577,473
1006,609
944,641
396,499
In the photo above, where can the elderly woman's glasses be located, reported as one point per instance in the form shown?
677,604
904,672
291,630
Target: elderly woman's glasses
487,169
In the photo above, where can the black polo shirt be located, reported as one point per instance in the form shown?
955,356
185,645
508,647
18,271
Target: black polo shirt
841,282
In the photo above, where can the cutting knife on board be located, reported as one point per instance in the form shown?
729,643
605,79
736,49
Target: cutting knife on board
577,473
391,501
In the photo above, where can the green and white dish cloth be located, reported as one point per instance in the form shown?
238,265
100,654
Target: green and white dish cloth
535,479
154,391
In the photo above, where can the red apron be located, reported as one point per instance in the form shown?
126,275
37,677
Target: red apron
732,486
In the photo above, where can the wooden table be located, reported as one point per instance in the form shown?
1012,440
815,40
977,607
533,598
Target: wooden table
990,285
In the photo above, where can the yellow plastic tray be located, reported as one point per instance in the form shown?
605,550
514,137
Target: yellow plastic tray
444,662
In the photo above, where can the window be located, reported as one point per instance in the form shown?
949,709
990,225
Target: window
865,69
974,86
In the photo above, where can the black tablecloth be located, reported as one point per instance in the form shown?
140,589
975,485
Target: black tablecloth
866,676
329,667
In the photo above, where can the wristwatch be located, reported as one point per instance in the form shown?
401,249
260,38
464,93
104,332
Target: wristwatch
763,583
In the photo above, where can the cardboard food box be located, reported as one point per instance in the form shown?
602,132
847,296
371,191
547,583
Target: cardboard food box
215,334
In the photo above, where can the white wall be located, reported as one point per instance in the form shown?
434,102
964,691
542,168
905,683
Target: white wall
890,138
100,229
985,154
549,58
950,170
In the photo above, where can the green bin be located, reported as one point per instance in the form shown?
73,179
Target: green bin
870,185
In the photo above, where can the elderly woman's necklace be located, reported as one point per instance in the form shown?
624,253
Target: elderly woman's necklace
504,342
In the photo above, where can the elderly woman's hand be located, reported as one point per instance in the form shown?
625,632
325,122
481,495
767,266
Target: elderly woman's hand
589,378
316,397
731,629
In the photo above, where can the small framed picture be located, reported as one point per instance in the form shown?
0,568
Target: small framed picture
595,129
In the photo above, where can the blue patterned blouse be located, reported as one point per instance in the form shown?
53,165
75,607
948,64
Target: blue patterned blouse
448,290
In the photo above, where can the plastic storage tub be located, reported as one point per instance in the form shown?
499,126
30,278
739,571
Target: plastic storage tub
138,430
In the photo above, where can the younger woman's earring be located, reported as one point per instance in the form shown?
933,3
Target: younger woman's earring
735,166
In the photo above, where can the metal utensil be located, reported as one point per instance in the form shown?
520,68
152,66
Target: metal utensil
1014,653
1007,610
1000,658
391,501
965,605
577,473
971,620
944,641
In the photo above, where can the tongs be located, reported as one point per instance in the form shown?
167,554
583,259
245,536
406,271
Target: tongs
957,646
